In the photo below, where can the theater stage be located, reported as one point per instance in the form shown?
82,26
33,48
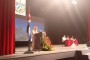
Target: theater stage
59,52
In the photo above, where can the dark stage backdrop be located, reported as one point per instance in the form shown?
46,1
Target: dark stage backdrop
56,29
70,21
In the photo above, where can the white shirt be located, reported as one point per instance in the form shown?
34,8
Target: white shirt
34,32
63,39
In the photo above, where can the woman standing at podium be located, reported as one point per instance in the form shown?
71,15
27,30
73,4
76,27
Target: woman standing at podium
34,31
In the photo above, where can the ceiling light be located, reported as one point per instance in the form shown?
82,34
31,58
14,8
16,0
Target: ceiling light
74,2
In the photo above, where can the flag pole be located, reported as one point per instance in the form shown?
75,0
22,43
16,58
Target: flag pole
29,33
29,36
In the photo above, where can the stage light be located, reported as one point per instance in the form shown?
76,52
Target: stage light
23,1
56,2
74,2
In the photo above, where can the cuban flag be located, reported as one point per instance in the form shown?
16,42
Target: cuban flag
28,27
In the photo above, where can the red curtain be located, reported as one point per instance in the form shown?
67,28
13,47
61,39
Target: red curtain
7,27
89,27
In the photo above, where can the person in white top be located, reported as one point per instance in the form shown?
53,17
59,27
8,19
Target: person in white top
34,30
63,38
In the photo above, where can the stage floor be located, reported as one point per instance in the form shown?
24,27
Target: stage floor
19,52
56,48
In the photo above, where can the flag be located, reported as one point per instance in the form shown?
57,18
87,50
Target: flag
29,26
28,16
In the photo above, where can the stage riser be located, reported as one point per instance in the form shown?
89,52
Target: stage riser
85,51
53,56
61,52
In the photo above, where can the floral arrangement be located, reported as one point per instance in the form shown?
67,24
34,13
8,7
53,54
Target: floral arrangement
46,44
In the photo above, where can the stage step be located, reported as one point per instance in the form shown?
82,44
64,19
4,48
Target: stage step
86,52
78,56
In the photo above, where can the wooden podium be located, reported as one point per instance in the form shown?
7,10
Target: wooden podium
37,42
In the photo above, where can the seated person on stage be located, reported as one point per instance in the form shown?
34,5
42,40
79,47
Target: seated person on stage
67,41
73,42
67,38
64,38
71,38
